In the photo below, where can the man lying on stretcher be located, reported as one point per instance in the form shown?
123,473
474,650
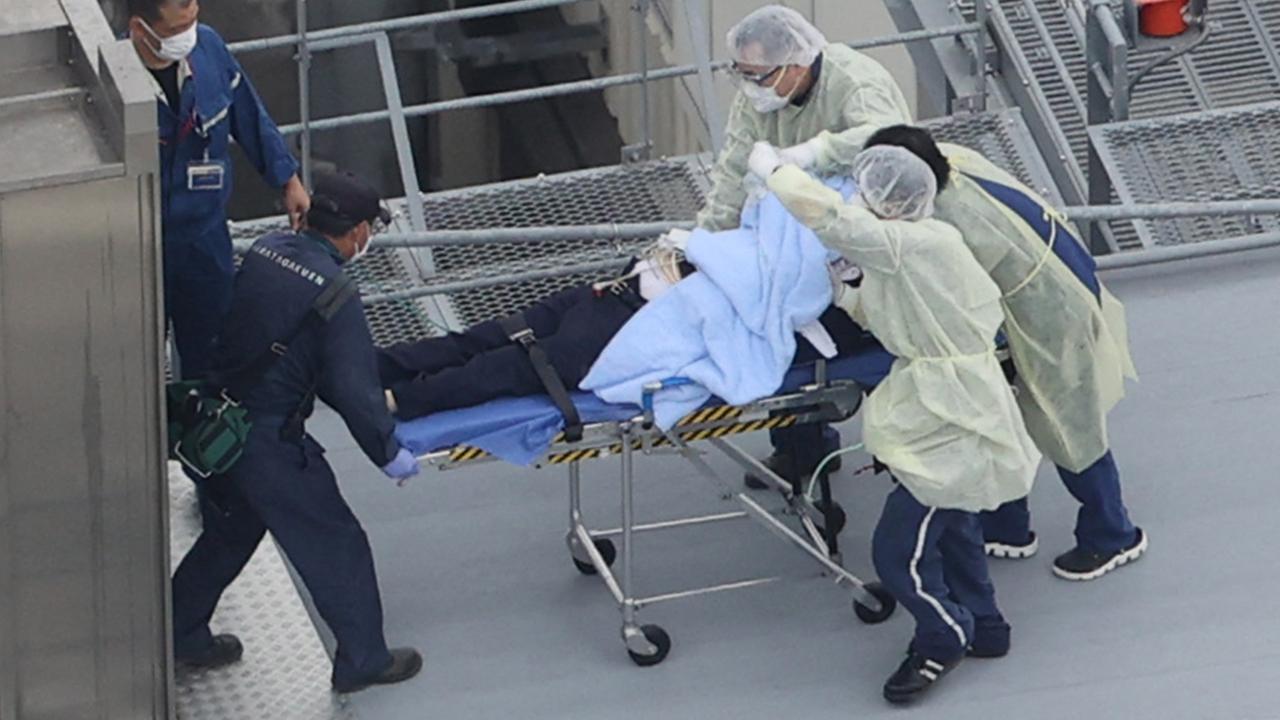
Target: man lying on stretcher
572,327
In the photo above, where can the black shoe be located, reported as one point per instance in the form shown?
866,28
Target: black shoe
224,650
1012,550
1078,564
781,465
405,663
914,676
992,641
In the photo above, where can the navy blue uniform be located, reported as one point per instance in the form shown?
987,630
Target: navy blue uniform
217,104
932,560
282,483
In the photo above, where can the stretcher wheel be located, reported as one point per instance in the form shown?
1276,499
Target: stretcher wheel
887,605
660,639
607,551
838,519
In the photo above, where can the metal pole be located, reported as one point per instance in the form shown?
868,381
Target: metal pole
713,118
916,36
1159,211
642,36
1166,254
599,266
409,22
980,52
304,90
400,134
695,23
501,98
628,520
619,231
1106,52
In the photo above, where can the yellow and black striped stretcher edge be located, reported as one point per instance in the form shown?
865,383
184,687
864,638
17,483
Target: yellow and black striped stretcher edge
830,403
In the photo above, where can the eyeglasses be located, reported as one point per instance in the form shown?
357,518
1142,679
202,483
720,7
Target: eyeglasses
377,226
757,78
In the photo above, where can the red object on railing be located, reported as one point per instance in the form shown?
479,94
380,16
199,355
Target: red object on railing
1162,18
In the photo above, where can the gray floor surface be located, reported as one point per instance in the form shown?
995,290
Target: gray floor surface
474,569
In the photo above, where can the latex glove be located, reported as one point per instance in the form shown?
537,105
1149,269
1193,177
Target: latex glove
403,467
764,159
296,202
804,155
677,238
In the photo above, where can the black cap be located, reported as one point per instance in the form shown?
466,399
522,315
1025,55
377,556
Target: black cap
340,201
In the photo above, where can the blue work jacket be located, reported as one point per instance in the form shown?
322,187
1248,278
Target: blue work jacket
218,104
275,289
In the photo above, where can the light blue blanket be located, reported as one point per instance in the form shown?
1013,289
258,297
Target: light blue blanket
730,328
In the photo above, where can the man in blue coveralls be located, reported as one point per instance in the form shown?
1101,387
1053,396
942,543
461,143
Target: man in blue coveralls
204,101
296,331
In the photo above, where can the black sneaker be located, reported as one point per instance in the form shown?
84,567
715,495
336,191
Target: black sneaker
781,465
914,676
1012,550
224,650
1078,564
405,663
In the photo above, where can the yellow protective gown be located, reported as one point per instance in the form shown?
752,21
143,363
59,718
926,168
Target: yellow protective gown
1071,352
854,97
944,420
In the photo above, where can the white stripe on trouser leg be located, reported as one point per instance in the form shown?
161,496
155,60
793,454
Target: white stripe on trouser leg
915,577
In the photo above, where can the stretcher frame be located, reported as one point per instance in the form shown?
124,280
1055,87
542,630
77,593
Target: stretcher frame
593,552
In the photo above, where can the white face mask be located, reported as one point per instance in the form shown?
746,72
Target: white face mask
766,99
173,48
362,250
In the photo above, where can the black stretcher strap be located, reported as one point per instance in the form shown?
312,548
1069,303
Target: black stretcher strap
518,330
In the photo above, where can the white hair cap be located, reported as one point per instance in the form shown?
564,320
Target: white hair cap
775,35
895,183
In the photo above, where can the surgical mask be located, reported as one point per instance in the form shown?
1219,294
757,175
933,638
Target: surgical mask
174,48
362,250
766,99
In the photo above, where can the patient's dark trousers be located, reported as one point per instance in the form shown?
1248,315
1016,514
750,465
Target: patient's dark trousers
482,363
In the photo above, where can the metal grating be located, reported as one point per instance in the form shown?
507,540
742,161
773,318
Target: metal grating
1237,66
377,272
382,270
285,671
665,190
1002,137
1229,154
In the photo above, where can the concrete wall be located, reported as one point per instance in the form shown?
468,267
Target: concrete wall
675,104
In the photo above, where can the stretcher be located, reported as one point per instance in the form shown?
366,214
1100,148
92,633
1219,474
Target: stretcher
823,392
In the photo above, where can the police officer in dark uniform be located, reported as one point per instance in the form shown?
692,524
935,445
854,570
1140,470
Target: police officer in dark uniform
297,323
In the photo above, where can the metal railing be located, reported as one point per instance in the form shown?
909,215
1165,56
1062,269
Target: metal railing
308,42
620,231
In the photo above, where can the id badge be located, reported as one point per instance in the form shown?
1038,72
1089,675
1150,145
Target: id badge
205,175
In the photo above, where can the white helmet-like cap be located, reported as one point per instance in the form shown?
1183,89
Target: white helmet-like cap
775,35
895,183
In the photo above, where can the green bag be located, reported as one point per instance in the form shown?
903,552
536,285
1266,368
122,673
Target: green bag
207,428
207,434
